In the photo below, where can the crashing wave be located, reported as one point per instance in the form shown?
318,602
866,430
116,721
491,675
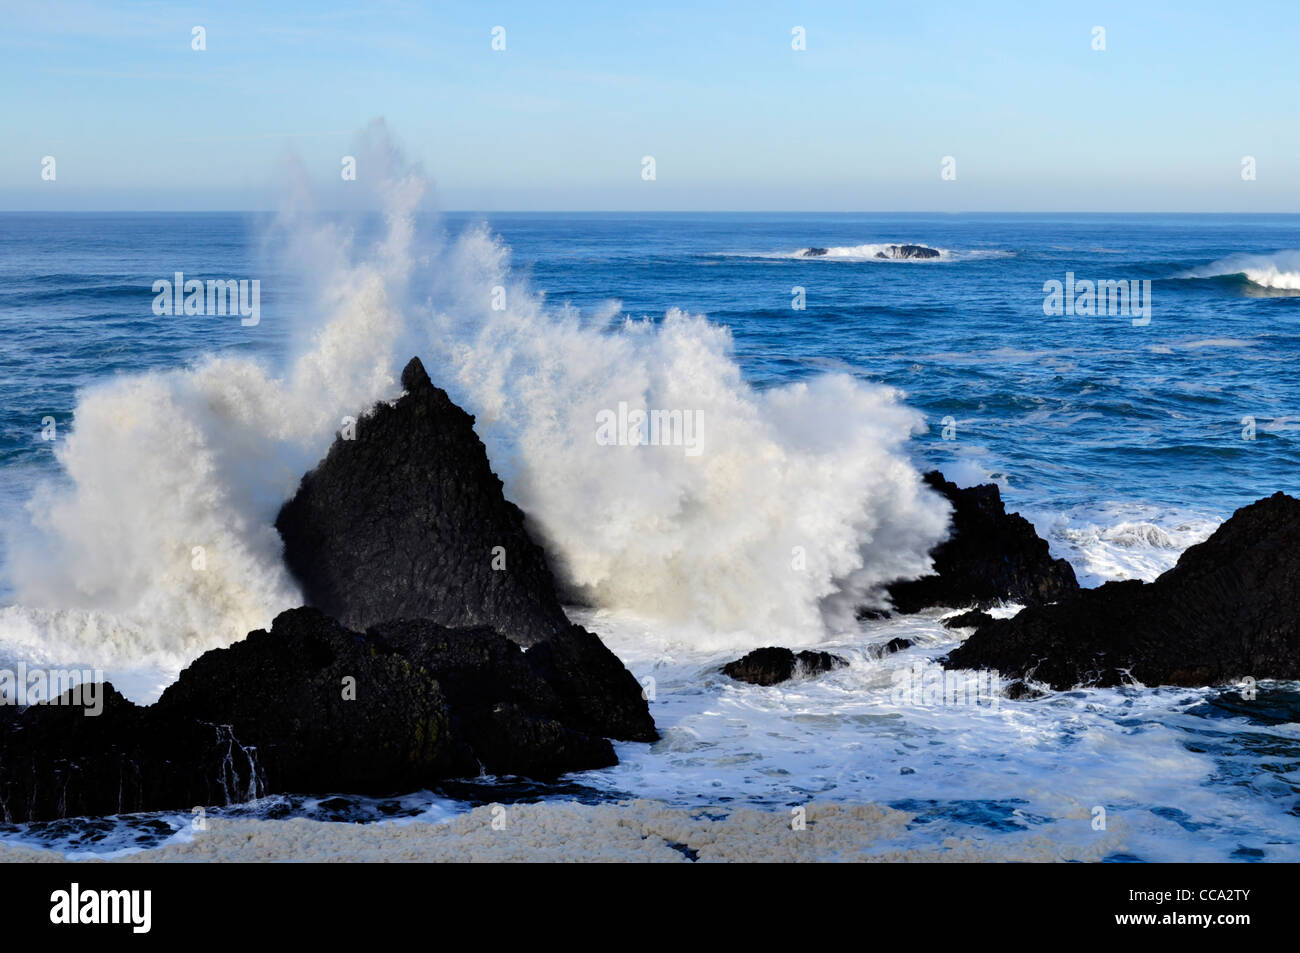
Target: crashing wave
1279,271
158,543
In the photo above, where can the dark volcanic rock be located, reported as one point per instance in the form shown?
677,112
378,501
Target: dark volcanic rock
1019,691
397,532
408,521
598,693
991,556
813,252
56,761
405,521
768,666
426,703
1225,612
968,620
897,645
311,706
871,613
908,251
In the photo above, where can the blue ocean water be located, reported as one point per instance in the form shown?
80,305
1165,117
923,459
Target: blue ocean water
1063,405
1123,442
1066,409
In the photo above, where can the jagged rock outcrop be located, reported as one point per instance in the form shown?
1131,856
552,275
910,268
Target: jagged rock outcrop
599,694
771,666
991,556
1225,612
402,532
408,521
311,706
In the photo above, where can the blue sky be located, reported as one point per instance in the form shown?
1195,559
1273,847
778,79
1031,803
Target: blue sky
1035,118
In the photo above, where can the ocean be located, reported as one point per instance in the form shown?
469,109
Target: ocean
131,442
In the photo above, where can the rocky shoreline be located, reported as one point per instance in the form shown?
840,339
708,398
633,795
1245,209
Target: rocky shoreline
408,665
1225,614
433,644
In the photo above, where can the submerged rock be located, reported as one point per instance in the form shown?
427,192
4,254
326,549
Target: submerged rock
1019,691
991,556
813,252
770,666
1226,612
312,707
408,520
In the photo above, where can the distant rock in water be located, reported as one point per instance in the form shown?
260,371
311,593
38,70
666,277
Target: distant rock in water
889,251
770,666
991,556
313,707
908,251
1227,611
408,521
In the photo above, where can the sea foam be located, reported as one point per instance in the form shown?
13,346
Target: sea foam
1280,270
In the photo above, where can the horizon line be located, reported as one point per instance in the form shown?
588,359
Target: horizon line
563,211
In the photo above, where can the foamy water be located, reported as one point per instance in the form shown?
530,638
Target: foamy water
1151,758
1105,774
1280,270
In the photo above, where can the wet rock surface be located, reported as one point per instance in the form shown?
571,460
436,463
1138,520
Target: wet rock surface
409,667
991,556
407,520
1226,612
773,665
908,251
311,706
